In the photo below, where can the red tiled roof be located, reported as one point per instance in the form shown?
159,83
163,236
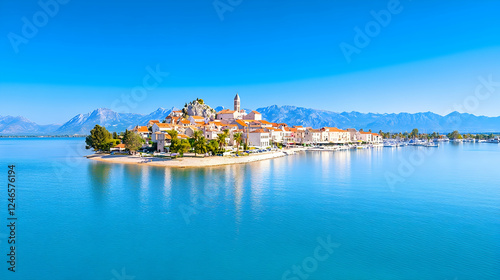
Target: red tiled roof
226,111
141,129
164,125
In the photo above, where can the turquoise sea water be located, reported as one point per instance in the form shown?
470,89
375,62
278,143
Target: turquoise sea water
407,213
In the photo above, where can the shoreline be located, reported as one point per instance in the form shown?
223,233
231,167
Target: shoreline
189,162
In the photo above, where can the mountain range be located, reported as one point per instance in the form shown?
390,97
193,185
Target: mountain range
429,122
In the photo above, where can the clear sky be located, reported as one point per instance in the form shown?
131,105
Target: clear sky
76,56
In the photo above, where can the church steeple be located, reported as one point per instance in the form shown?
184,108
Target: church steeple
237,103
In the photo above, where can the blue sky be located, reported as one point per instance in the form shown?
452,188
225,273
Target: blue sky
88,54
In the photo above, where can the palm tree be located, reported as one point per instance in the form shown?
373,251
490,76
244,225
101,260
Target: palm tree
238,137
222,138
199,144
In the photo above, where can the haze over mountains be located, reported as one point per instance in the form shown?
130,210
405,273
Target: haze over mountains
429,122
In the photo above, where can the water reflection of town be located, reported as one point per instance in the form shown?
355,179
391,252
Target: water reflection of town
245,189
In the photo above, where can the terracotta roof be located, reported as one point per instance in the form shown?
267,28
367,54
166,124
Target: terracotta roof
184,121
141,129
164,125
226,111
242,123
198,117
265,122
121,146
333,129
257,113
258,131
154,121
182,136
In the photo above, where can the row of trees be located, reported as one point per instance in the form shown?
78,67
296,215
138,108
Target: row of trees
414,134
100,139
200,145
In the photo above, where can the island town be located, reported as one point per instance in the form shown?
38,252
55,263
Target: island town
199,132
239,127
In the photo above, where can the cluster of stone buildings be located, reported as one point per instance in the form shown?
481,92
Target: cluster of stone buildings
255,131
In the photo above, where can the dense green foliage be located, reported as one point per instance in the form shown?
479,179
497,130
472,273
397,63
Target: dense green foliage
132,141
100,139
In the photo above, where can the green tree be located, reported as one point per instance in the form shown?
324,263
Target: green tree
183,147
238,137
213,146
115,135
132,141
455,135
414,133
99,139
174,142
200,143
221,138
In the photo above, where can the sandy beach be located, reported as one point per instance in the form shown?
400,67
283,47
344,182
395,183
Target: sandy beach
187,162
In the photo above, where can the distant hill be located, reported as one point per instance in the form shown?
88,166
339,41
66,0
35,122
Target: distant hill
292,115
425,122
21,126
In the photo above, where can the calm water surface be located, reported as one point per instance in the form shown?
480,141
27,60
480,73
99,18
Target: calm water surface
407,213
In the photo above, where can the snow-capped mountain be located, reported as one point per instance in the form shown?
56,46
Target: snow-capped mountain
21,126
113,121
426,122
292,115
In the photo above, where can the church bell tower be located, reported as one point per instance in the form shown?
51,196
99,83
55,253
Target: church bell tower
237,103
